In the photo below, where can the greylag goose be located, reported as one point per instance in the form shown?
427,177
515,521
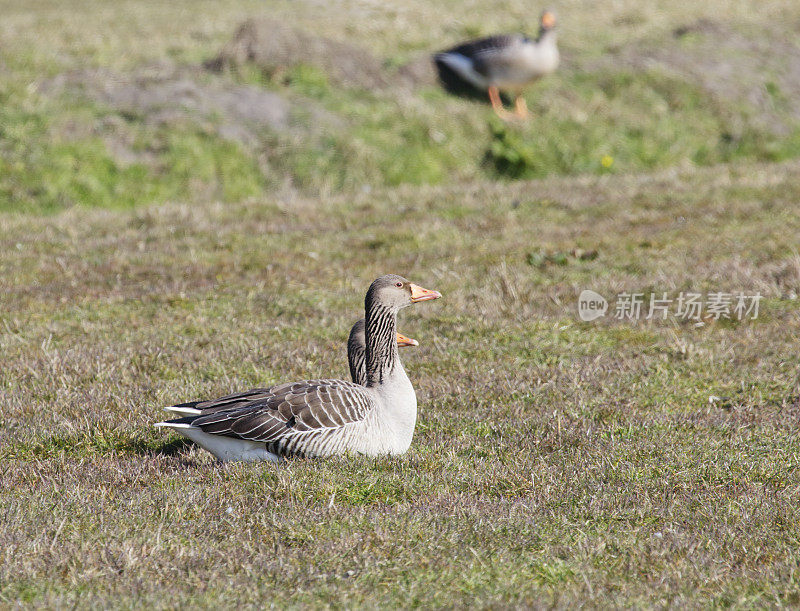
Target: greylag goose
316,418
356,359
357,351
509,62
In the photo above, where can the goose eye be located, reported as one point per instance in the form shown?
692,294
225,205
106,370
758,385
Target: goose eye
398,285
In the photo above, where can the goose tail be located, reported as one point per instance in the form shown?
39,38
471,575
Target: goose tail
462,65
183,410
224,448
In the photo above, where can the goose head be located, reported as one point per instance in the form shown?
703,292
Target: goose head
402,340
547,21
394,293
385,298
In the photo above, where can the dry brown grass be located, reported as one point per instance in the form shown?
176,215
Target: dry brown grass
555,462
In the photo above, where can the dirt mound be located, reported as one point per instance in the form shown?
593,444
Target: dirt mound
274,46
419,72
758,68
162,95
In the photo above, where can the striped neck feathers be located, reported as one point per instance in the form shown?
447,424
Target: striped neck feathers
382,356
356,357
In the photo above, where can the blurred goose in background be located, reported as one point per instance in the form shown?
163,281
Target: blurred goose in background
316,418
356,360
508,62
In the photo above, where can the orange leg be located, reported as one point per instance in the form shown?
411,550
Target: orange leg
521,107
497,103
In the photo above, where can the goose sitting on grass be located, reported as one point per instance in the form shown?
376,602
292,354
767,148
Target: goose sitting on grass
316,418
508,62
356,361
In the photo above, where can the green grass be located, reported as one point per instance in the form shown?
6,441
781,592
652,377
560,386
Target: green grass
555,462
595,116
45,168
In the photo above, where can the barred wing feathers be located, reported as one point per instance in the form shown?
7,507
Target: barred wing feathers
232,401
303,418
487,53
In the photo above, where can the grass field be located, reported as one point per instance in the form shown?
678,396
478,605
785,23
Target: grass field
149,258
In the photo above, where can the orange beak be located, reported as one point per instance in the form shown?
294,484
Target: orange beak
402,340
420,294
548,20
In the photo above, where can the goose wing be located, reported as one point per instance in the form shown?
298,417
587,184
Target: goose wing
234,400
290,409
221,403
487,53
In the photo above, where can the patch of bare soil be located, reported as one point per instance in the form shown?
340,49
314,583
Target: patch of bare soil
758,68
419,72
274,47
163,95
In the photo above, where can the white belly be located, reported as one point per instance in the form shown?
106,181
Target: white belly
389,428
225,448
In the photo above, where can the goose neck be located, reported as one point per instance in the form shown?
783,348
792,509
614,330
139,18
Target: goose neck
355,359
546,36
381,354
